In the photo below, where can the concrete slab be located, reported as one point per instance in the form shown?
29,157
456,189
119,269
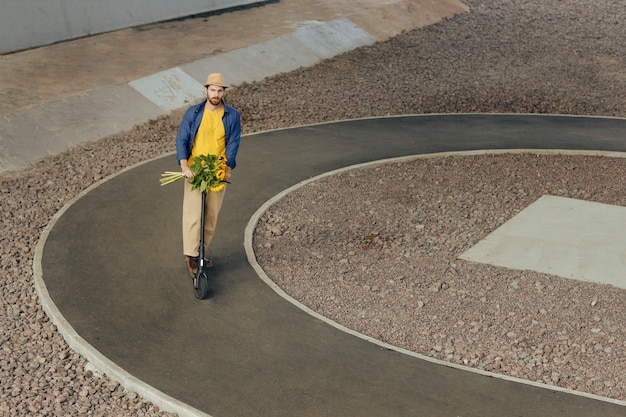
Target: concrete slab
306,46
41,131
170,90
285,53
334,37
561,236
94,115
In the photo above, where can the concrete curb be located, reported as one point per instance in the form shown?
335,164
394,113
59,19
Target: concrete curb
97,362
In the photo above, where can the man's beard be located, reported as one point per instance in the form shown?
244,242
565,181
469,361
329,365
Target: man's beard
215,100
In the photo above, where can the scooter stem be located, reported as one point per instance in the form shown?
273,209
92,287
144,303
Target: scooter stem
201,249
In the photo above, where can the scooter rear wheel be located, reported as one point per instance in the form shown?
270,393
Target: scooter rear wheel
201,286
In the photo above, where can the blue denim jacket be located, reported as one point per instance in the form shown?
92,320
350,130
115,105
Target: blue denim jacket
191,123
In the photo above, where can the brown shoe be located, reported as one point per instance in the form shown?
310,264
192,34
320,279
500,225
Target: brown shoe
192,264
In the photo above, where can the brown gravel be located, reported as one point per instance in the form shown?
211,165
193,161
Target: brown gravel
527,56
382,260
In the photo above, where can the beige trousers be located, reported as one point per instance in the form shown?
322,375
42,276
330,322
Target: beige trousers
192,200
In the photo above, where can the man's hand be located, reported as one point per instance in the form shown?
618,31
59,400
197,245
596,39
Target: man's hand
184,166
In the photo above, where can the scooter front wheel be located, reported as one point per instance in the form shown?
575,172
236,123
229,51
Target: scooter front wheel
201,285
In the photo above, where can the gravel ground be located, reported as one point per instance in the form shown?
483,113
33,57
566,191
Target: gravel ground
383,261
393,273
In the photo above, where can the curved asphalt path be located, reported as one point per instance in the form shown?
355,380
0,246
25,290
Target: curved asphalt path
118,289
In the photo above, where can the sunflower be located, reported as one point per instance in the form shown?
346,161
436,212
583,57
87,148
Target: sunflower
209,173
220,174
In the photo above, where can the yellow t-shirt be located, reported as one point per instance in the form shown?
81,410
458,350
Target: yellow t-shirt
211,137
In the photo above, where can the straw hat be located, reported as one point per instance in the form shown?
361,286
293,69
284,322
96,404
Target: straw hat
215,78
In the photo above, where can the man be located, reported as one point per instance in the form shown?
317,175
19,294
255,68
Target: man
211,127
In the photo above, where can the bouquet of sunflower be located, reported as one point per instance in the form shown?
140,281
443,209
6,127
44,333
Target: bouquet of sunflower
209,172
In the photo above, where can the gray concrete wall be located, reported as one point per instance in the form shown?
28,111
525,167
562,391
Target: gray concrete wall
26,24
